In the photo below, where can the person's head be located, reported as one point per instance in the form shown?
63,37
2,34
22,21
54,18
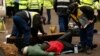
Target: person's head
45,45
73,8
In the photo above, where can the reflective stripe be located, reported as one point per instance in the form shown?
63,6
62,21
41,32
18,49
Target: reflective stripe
34,4
27,13
22,7
32,14
86,1
97,5
48,4
63,0
10,3
62,6
23,4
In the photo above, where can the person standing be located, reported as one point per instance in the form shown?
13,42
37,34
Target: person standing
86,33
63,13
48,4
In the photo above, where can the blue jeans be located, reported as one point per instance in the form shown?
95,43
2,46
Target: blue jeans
63,23
21,27
14,30
86,36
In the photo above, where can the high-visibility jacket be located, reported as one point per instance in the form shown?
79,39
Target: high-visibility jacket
48,4
10,3
97,5
23,4
33,19
62,6
34,4
41,1
86,3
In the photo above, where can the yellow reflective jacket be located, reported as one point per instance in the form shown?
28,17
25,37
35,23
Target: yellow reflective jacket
48,4
97,5
22,4
10,3
86,3
34,4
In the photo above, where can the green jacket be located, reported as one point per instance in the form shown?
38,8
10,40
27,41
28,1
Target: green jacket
37,51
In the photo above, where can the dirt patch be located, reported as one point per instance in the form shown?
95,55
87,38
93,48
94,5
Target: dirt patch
9,49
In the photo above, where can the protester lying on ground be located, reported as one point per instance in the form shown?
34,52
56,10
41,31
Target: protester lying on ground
52,48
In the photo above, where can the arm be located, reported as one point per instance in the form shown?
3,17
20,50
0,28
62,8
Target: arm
37,23
40,26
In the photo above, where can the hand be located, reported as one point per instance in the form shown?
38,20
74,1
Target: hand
90,21
81,27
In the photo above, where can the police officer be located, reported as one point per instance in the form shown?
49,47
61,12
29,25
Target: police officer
27,23
63,13
48,4
86,33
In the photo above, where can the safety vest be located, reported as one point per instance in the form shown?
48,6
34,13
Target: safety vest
48,4
31,15
23,4
97,5
86,3
41,1
62,7
10,3
34,4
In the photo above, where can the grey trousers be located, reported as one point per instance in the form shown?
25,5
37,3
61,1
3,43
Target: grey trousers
66,39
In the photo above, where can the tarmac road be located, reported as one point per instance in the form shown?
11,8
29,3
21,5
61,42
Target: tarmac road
54,21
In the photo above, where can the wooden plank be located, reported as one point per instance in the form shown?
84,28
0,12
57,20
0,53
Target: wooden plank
42,38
